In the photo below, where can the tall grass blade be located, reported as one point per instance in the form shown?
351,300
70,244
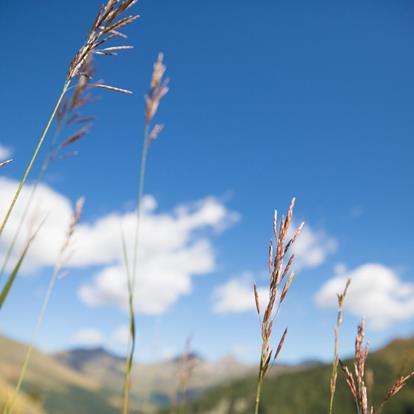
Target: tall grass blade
132,330
158,89
10,405
10,281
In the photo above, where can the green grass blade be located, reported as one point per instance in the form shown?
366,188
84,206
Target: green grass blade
10,281
6,289
132,332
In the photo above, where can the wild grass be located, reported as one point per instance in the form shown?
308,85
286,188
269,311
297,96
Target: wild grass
105,27
334,374
13,275
68,115
63,258
357,381
278,273
158,89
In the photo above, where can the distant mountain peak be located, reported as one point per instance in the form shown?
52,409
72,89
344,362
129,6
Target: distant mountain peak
78,357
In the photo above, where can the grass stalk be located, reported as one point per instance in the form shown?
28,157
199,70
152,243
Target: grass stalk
67,114
10,281
334,373
10,405
22,219
158,89
278,273
259,385
132,335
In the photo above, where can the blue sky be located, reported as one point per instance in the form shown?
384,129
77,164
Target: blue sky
268,100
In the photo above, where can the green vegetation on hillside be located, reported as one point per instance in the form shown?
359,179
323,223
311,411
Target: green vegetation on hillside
307,391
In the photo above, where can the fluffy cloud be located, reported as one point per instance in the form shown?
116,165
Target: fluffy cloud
312,248
120,336
46,203
5,152
92,337
376,293
174,246
88,337
237,295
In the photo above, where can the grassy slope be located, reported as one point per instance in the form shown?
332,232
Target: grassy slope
306,392
85,381
152,384
53,385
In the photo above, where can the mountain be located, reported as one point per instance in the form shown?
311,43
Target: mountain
153,384
90,380
307,391
49,385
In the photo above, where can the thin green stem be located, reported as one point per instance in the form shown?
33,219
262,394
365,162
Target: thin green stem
141,185
21,222
258,393
260,380
131,340
34,156
9,407
131,273
26,209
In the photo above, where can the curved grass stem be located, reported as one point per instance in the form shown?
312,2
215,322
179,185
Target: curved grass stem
131,273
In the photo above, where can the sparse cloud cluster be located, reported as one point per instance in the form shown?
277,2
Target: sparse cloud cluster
236,295
91,337
312,249
175,246
377,293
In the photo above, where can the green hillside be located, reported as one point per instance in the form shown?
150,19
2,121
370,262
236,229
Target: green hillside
306,391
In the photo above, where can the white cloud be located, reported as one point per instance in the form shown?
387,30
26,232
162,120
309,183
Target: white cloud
46,203
312,248
5,152
92,337
237,295
120,336
376,293
174,246
88,337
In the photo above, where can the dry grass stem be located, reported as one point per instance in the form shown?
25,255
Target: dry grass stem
68,115
357,381
113,88
62,260
278,272
105,27
334,374
3,163
158,89
156,92
186,367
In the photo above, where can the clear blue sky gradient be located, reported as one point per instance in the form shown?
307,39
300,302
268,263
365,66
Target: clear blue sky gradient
269,99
